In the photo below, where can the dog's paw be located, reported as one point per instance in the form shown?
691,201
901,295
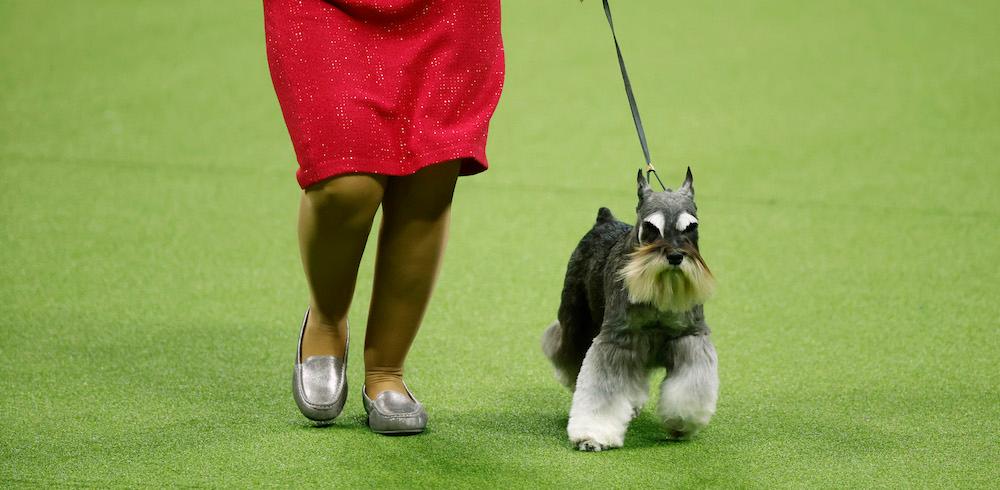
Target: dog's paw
594,440
682,430
591,445
679,435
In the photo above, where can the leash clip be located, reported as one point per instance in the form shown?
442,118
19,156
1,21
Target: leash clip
652,171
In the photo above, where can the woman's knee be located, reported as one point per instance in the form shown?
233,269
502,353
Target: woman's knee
346,195
426,195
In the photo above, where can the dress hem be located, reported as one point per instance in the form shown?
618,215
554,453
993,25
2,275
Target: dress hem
473,162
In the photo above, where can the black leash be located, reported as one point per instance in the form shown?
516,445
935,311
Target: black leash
631,100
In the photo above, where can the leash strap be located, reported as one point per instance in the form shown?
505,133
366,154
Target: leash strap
631,99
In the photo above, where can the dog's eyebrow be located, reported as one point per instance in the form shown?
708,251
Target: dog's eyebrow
685,220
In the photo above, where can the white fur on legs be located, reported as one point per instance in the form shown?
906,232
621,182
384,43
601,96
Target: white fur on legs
689,392
612,382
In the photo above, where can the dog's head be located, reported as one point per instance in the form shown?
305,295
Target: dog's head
665,267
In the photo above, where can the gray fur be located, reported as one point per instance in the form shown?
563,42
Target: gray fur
603,345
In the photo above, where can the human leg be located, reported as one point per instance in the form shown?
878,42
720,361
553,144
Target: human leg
335,218
415,217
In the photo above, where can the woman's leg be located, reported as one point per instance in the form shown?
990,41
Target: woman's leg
415,216
335,217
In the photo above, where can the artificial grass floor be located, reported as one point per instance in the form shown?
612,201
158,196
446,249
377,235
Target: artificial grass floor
845,158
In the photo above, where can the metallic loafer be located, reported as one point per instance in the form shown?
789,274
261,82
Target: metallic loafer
394,413
319,384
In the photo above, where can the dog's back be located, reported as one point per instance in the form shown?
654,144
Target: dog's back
581,310
585,273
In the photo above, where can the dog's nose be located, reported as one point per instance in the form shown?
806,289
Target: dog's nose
675,258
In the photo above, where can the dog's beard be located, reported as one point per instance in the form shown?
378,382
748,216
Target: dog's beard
649,278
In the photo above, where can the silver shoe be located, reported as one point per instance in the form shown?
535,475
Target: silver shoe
394,413
320,383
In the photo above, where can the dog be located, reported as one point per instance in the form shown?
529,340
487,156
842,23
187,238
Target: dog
631,302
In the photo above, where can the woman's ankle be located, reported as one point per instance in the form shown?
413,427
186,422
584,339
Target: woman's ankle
324,339
378,381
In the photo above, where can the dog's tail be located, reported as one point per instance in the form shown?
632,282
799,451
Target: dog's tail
552,346
604,216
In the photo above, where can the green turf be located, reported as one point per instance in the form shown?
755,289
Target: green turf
845,157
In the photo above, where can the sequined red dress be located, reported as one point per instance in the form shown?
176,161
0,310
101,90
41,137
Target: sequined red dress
385,86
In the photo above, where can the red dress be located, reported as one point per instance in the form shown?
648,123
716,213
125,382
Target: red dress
385,86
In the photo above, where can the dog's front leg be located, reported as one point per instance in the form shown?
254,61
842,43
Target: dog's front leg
612,381
689,392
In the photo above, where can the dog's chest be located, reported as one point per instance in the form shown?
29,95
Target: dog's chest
646,317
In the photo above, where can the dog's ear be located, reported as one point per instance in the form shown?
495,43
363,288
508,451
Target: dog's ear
644,189
688,185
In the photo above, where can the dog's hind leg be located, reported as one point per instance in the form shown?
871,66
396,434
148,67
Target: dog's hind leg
689,392
611,384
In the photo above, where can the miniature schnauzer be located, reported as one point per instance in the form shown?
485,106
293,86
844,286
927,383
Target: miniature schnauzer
631,302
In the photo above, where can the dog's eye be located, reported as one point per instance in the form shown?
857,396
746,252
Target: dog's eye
652,227
649,232
691,227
